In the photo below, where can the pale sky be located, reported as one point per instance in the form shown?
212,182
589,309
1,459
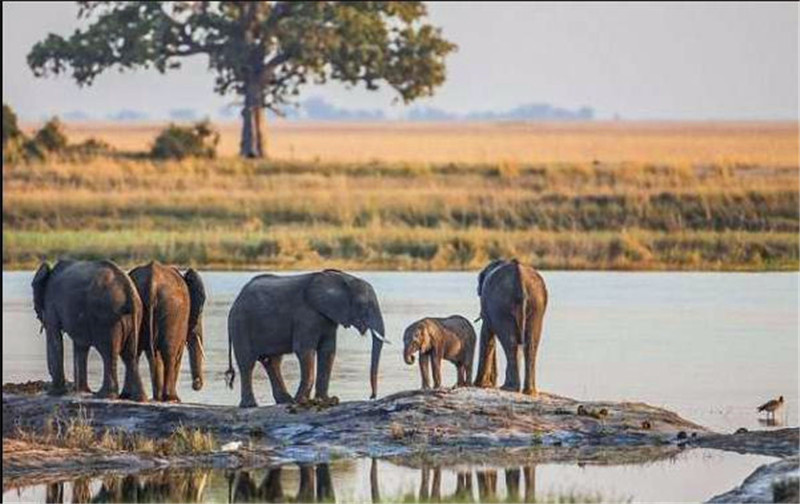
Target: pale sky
641,61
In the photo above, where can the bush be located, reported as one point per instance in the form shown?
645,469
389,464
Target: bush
51,137
180,142
11,131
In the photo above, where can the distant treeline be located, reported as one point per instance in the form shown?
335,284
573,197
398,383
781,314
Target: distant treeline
318,109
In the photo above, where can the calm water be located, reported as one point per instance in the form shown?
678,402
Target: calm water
693,476
711,346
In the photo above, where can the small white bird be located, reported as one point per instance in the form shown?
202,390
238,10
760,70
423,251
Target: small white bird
232,446
771,406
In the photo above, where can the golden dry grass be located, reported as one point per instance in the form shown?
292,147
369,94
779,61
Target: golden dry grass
755,143
231,213
424,196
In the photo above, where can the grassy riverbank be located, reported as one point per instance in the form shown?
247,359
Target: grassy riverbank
230,213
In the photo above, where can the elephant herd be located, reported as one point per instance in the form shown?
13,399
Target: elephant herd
158,310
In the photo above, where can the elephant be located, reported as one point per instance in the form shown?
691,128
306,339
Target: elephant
513,302
97,305
173,318
276,315
451,338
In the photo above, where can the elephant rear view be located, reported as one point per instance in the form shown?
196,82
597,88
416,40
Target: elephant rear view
513,303
276,315
173,319
97,305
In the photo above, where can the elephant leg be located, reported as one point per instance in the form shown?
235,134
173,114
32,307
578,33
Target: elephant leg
436,484
110,388
424,484
424,370
461,372
156,374
436,364
531,349
133,387
80,359
512,367
55,362
529,473
272,365
248,400
306,491
172,364
324,367
306,358
324,484
487,360
512,484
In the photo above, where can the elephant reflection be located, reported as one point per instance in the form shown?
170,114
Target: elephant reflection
159,487
316,485
54,493
431,481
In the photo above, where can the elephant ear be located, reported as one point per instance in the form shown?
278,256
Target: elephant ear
197,294
39,283
329,294
485,273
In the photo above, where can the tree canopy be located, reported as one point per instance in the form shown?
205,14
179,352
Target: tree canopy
263,51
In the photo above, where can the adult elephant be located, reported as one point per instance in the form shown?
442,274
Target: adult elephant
173,319
513,303
97,305
276,315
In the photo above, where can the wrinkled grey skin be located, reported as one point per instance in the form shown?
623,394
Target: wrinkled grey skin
97,305
513,303
451,338
173,319
276,315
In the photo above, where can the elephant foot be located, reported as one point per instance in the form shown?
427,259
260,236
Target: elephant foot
83,390
326,401
530,392
248,403
172,399
283,399
485,383
510,388
57,390
106,394
140,397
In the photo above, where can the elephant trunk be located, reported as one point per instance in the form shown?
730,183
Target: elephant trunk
408,354
377,346
196,356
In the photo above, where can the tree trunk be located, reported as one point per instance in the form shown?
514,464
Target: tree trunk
252,145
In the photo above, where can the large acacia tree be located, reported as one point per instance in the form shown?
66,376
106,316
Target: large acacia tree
263,51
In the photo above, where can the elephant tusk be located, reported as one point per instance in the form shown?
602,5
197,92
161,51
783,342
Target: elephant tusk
379,337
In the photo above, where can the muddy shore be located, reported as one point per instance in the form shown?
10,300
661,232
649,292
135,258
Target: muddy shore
411,428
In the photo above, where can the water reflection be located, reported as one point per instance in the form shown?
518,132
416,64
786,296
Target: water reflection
166,486
316,485
275,485
492,479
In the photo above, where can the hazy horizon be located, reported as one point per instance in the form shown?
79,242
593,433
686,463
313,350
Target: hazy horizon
664,62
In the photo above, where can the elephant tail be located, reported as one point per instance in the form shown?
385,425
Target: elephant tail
523,298
230,374
151,310
132,308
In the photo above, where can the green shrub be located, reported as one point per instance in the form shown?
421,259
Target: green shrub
180,142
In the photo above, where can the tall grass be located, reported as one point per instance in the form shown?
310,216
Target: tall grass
231,213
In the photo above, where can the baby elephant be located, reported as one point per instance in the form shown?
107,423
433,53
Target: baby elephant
451,338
